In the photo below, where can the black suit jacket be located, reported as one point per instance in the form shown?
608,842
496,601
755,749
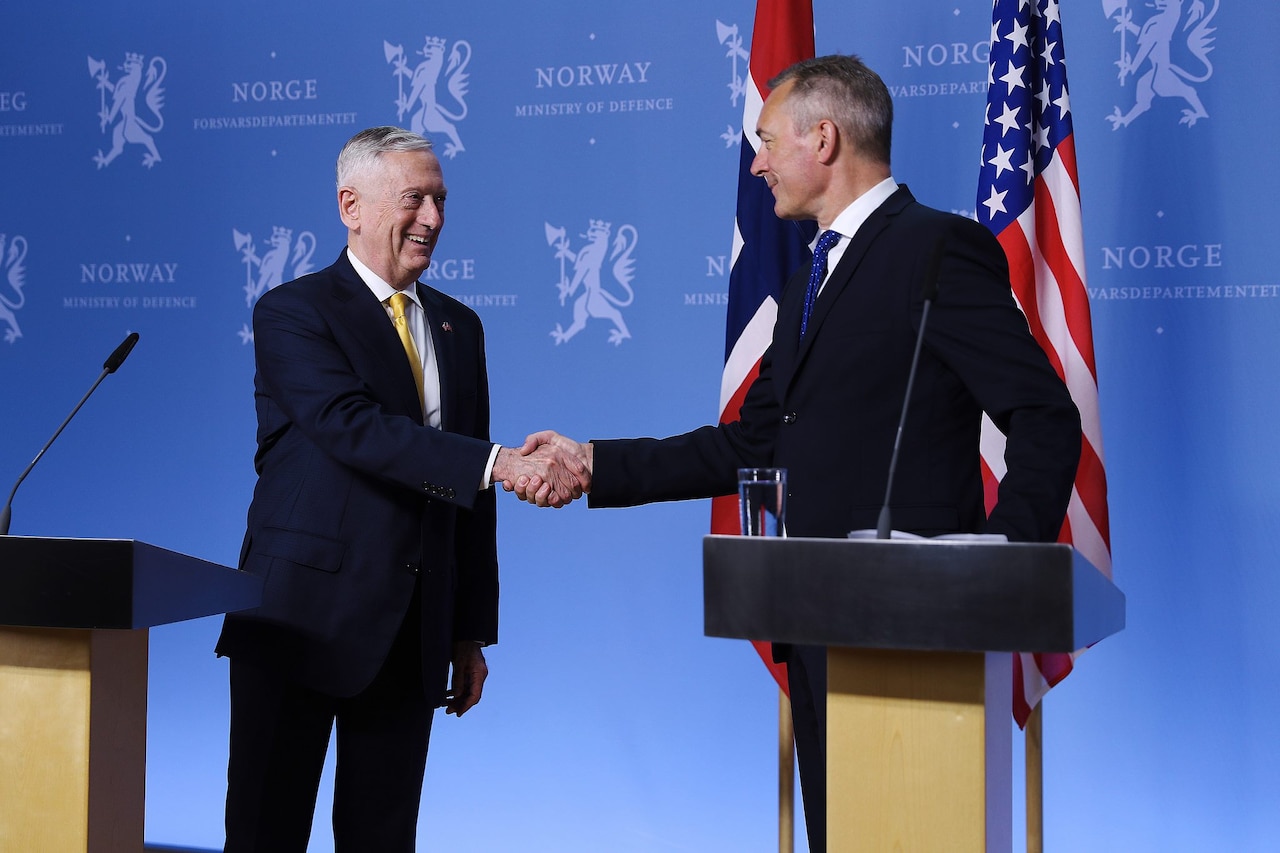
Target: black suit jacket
357,500
826,408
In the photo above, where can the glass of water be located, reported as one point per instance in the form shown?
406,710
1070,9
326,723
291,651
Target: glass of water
762,501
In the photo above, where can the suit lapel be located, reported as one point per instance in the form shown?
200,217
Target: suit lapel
440,328
841,278
367,318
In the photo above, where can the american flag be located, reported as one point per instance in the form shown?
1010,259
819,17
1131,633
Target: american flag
1029,196
765,248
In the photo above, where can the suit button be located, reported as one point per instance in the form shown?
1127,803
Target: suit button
789,418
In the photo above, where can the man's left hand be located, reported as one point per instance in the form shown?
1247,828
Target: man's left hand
469,674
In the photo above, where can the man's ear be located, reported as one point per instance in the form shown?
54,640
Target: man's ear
349,206
828,140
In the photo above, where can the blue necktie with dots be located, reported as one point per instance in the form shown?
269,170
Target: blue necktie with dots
816,274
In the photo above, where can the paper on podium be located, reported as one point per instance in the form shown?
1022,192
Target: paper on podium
946,537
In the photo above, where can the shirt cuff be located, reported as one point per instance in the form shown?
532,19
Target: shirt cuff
488,469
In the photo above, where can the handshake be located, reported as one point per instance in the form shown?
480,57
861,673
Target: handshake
548,469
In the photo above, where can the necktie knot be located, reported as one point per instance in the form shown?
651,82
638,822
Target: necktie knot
816,273
399,301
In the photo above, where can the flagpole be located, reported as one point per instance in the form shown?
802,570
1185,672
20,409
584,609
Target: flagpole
1034,744
786,776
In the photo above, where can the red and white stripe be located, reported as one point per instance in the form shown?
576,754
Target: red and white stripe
1047,270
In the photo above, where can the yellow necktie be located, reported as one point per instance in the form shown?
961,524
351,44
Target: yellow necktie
399,301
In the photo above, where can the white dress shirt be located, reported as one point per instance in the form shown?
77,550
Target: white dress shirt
416,318
849,220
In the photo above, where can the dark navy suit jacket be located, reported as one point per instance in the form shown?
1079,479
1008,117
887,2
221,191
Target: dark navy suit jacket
357,500
827,407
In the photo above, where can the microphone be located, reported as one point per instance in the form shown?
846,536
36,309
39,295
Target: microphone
932,272
111,365
117,357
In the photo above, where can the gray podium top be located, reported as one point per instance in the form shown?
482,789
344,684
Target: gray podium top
907,594
112,583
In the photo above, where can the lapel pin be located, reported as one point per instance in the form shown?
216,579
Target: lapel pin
446,326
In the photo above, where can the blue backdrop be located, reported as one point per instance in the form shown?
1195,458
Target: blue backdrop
167,163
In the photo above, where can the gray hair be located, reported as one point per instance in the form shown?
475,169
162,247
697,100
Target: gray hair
362,151
844,90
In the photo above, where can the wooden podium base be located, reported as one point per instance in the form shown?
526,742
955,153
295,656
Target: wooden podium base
73,712
919,751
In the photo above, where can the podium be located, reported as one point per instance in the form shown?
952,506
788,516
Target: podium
74,615
919,636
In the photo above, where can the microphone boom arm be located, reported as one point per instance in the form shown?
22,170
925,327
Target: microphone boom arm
112,363
933,271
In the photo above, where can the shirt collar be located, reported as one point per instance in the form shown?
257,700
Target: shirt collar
376,285
849,220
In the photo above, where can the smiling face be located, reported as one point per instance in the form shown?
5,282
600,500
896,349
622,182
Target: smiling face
394,211
787,159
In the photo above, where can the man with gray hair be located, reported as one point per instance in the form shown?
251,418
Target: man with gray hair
372,522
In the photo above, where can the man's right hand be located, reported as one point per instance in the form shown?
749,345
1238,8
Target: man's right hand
547,473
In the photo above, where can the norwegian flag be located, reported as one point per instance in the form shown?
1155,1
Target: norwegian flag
765,249
1029,196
